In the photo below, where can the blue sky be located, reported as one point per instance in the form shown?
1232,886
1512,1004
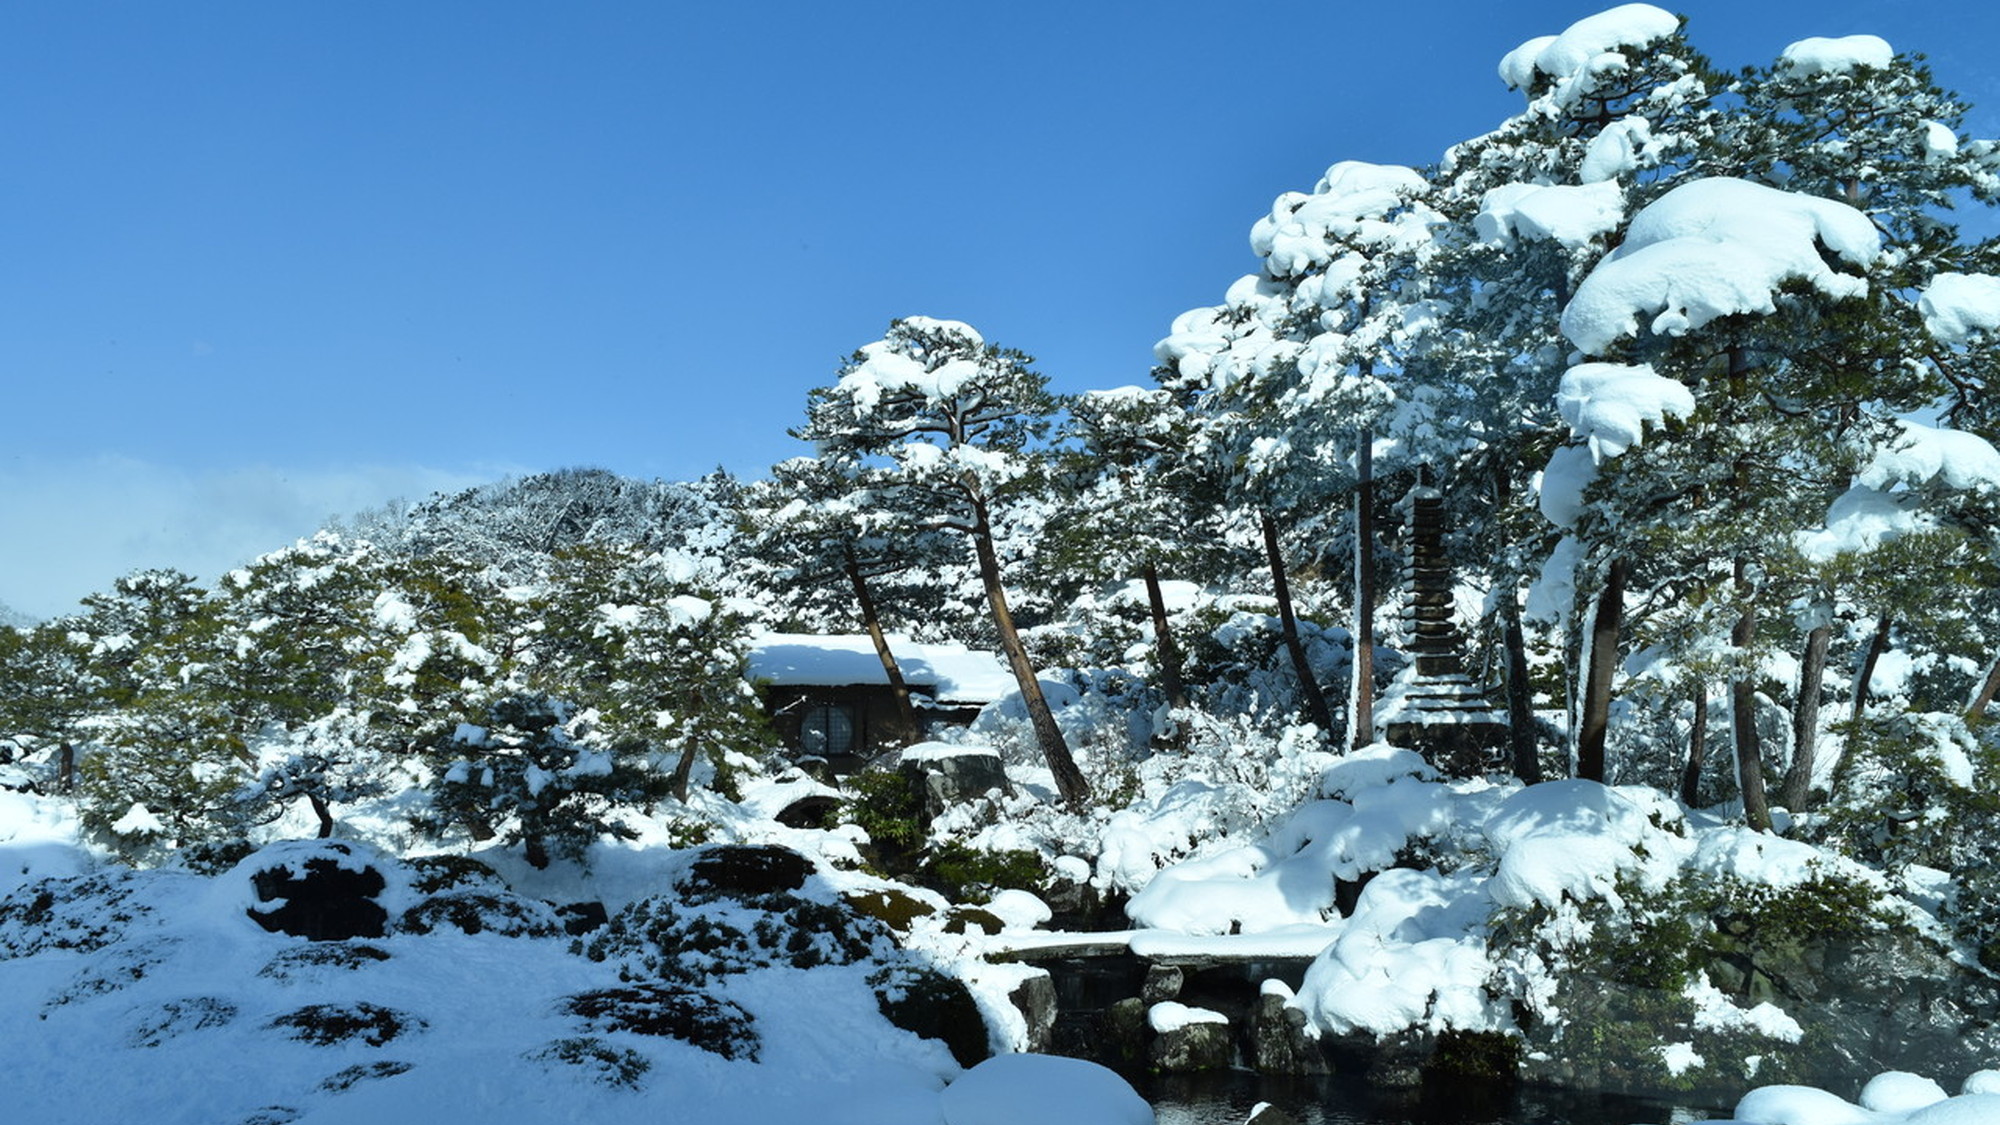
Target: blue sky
262,263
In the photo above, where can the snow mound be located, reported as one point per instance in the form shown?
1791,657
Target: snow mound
1957,306
1043,1089
1860,519
1609,405
1921,454
1567,214
1713,248
1819,55
1586,41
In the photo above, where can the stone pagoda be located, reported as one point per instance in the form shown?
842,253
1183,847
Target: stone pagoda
1433,706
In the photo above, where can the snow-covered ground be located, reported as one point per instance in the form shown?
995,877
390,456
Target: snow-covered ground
155,995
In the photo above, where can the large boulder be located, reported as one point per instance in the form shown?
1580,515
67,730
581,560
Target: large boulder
323,890
943,775
1188,1039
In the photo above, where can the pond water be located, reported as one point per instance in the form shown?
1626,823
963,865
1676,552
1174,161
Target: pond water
1227,1097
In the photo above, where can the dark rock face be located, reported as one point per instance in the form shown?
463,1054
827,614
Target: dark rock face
744,871
946,781
934,1006
323,891
1278,1040
1122,1033
1036,999
579,918
1163,982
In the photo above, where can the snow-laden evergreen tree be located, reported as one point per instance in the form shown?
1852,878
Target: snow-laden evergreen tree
1134,506
955,423
1299,374
48,688
522,778
658,659
168,767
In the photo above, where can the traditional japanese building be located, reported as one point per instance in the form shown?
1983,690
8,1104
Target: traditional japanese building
829,696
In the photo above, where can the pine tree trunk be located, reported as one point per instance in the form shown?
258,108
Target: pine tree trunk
1697,749
323,812
1797,786
1520,703
683,772
1877,645
1288,623
1361,708
66,768
1743,709
1163,642
1595,722
899,690
1987,690
1070,782
1514,643
1743,687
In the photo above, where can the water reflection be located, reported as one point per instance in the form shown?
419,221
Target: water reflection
1227,1097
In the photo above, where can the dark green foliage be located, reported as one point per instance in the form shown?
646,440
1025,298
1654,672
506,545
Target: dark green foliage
689,939
670,1011
433,874
929,1004
972,873
612,1065
82,914
1477,1056
320,897
481,912
887,807
1624,992
343,1080
327,1025
307,961
178,1017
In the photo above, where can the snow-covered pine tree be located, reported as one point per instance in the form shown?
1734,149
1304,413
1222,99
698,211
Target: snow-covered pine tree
955,423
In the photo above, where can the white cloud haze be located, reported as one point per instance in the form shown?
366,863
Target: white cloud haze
70,528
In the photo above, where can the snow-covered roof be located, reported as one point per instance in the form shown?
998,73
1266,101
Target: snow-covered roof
953,673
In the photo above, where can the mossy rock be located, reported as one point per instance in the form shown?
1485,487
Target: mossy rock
670,1011
972,919
328,1025
898,910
